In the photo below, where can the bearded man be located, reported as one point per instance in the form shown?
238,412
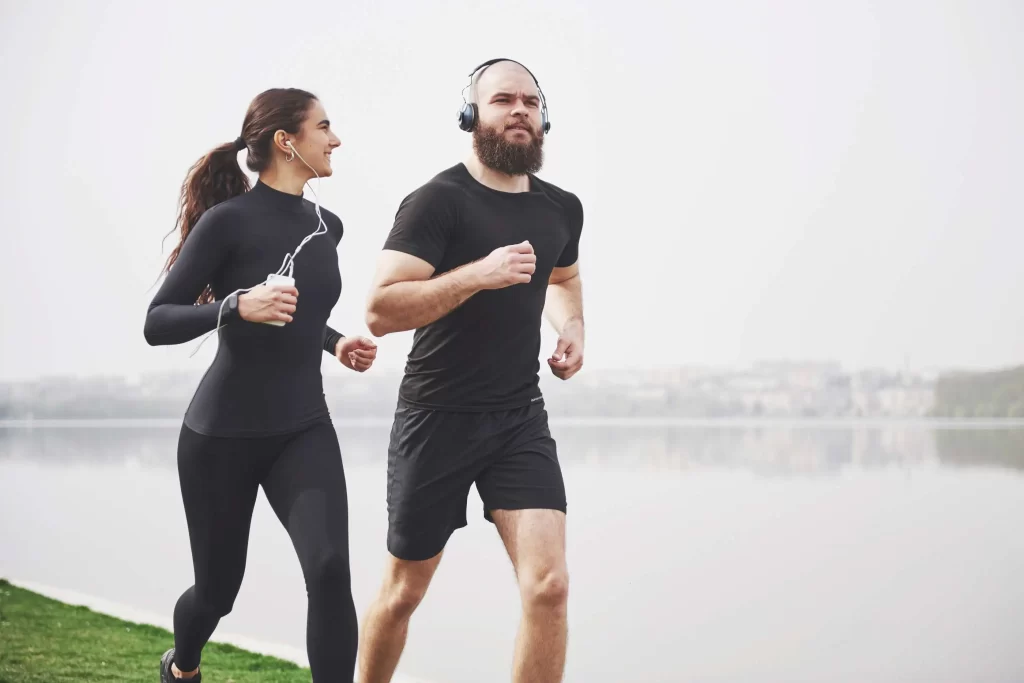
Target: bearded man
475,260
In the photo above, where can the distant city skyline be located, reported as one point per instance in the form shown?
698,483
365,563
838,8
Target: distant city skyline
771,390
330,369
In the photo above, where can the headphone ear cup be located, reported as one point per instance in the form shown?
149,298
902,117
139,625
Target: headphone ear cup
467,116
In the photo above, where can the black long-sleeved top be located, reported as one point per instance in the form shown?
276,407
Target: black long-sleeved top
264,379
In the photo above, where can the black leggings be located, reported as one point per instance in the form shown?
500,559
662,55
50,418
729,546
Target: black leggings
304,481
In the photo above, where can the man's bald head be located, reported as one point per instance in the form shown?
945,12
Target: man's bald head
508,136
502,75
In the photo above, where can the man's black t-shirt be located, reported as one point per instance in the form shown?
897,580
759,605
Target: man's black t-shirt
485,354
264,379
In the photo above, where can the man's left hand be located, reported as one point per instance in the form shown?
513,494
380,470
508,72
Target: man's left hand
567,359
356,353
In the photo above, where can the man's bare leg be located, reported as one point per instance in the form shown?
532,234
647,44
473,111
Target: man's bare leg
535,540
387,621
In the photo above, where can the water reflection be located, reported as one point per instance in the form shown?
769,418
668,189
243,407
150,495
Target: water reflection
765,449
976,448
685,567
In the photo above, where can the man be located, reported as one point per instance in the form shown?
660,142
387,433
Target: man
476,257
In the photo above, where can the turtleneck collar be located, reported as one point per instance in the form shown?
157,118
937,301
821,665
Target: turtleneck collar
276,198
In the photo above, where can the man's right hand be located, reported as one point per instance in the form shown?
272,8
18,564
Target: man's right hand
263,303
505,266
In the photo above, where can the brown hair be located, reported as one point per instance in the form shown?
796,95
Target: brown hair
217,177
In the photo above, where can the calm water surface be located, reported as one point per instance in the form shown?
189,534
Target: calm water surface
720,552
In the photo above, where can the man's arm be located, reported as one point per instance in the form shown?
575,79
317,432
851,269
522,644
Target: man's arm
564,302
405,296
563,308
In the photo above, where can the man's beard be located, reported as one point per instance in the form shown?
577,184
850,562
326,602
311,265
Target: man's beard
511,158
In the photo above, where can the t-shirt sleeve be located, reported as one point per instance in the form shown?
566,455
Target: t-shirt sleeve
424,223
571,252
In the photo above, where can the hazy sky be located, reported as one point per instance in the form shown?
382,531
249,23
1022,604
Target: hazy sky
803,180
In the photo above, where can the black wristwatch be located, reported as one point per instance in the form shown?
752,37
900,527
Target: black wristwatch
230,313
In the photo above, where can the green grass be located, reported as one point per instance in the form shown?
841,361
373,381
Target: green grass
46,641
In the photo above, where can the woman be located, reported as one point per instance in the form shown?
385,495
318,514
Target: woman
259,416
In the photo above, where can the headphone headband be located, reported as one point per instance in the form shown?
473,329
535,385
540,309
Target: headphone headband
468,112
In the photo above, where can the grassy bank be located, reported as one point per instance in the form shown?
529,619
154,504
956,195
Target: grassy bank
46,641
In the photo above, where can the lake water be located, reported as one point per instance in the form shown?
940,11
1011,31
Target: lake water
698,551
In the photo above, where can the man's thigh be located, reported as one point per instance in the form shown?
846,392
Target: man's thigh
535,540
433,459
523,472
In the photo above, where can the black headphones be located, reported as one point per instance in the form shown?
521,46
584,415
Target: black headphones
468,115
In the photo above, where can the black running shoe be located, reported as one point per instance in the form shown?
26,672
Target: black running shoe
167,676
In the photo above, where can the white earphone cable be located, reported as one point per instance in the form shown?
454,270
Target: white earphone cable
289,260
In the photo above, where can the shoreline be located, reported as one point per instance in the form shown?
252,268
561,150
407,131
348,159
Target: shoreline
128,613
125,612
575,422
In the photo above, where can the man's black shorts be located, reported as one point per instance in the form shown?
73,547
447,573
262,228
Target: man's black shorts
435,456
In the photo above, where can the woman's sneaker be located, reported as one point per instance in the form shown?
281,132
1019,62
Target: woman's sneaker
167,676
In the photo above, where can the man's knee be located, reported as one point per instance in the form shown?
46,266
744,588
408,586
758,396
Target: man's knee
402,599
545,588
406,585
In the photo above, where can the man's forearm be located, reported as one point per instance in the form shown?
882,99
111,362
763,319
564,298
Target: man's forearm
564,303
403,306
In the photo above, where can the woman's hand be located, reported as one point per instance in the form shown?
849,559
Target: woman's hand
356,353
264,303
